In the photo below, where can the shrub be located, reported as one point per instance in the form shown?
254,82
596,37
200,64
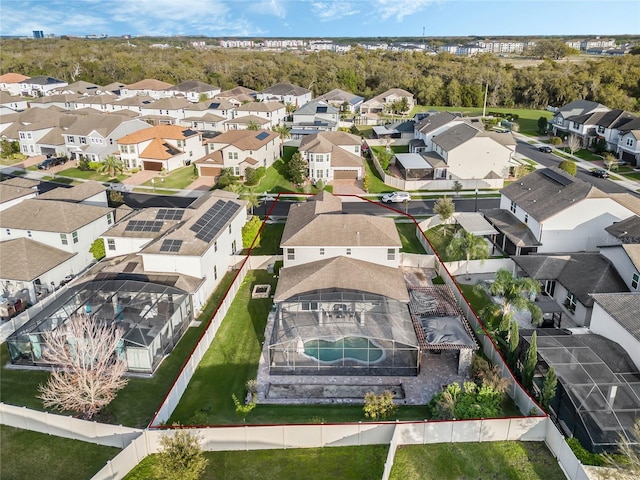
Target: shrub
94,165
83,165
250,177
568,166
379,406
180,457
555,141
250,231
97,249
260,173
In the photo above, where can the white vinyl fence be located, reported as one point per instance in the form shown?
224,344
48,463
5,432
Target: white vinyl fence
491,265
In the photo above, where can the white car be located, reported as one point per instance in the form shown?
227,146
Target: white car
396,197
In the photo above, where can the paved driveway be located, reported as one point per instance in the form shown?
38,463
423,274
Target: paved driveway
347,187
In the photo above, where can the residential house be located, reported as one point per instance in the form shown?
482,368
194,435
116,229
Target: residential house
471,152
571,278
80,87
87,193
163,147
275,112
194,91
94,137
616,316
220,107
111,89
318,230
65,230
345,102
314,117
332,155
384,101
10,82
194,245
246,122
40,85
237,150
429,127
207,123
629,142
102,103
66,101
148,87
166,110
608,126
286,93
564,120
43,136
624,231
552,211
12,102
626,258
15,190
238,95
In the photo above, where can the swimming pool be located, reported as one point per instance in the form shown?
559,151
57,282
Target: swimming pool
348,348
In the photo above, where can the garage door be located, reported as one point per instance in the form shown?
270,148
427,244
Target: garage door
210,171
153,166
345,174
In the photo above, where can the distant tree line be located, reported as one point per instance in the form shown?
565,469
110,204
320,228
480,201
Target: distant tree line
442,79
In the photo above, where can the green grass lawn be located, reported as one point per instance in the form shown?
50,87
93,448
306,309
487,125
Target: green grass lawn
330,463
90,175
410,243
477,297
269,239
394,148
376,185
478,461
179,178
136,404
584,154
13,159
27,454
440,239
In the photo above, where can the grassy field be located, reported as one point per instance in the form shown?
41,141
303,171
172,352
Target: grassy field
179,178
410,243
136,404
90,175
27,454
330,463
478,461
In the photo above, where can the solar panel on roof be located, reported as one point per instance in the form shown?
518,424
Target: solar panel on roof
213,220
171,246
556,177
262,135
214,105
189,133
169,214
321,109
143,226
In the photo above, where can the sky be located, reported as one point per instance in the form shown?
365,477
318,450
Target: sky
321,18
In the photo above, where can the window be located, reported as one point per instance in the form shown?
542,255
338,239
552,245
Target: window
70,139
576,125
74,235
111,244
513,207
109,220
635,280
63,239
215,246
391,253
310,306
215,272
29,233
600,129
629,142
570,302
348,251
232,155
526,218
233,247
22,136
322,251
8,230
83,140
229,228
291,254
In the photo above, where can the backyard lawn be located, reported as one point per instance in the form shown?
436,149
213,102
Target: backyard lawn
136,404
481,461
344,463
179,178
269,240
27,454
376,185
410,243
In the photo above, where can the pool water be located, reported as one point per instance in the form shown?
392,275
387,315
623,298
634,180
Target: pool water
348,348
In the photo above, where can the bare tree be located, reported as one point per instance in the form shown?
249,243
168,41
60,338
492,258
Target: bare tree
610,161
574,144
87,370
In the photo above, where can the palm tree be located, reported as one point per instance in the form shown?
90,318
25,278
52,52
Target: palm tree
112,166
465,244
251,198
283,132
253,125
514,294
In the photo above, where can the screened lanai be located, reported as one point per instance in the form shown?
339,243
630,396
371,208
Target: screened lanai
153,317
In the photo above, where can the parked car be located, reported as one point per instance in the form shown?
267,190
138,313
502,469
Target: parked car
600,173
396,197
545,149
51,162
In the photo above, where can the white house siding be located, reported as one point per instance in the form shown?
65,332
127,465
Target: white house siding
98,200
15,201
477,158
49,280
623,264
603,324
532,223
306,254
275,117
124,245
185,264
581,227
29,141
581,316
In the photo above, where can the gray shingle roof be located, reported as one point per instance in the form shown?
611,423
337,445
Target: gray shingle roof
624,308
76,194
548,191
626,230
433,122
286,89
337,95
192,86
311,108
579,107
341,273
455,136
23,259
580,273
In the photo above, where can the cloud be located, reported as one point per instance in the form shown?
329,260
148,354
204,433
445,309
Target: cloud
269,7
334,10
398,9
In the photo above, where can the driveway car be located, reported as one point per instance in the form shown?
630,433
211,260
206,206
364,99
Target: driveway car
51,162
545,149
600,173
396,197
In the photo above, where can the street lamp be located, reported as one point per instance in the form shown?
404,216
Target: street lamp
476,205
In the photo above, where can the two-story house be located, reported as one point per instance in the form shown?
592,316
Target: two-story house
220,107
274,112
238,95
332,155
237,150
564,119
194,91
344,101
629,142
314,117
163,147
10,82
385,100
40,85
171,107
608,127
43,136
12,102
551,211
285,93
149,87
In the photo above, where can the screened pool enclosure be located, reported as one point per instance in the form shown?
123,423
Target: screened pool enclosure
343,333
153,317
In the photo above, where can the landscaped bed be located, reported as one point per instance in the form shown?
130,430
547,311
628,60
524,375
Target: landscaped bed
27,454
482,461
